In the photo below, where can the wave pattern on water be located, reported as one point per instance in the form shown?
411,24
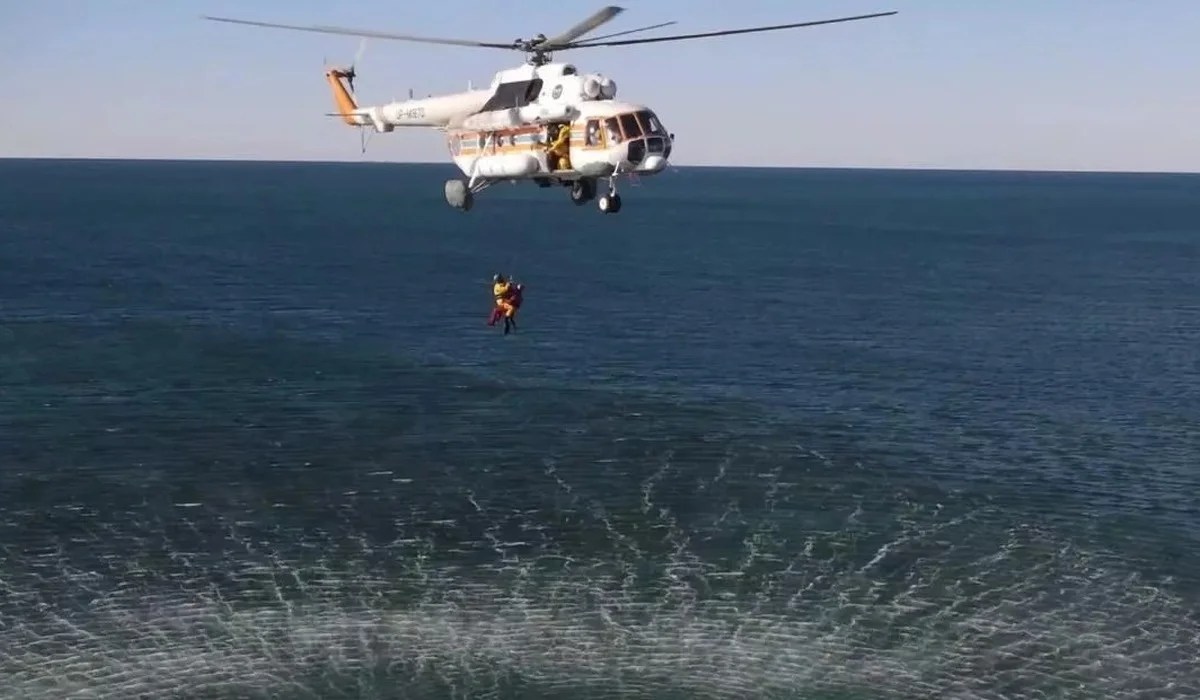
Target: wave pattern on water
191,509
598,545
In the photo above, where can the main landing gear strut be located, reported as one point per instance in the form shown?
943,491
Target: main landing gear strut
583,191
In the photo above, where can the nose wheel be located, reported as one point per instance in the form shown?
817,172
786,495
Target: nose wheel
610,203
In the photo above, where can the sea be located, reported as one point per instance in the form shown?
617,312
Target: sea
765,433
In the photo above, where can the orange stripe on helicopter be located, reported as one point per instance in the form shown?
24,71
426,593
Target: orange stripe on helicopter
500,150
516,148
468,142
475,138
472,149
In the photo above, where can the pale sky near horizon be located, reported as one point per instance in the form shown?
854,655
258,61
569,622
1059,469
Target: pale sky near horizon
1015,84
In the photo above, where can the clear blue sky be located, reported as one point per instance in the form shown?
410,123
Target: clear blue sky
1027,84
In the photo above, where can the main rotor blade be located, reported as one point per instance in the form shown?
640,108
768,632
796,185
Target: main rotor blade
625,33
727,32
322,29
601,16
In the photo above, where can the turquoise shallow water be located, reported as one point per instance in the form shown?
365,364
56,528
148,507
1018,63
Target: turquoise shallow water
764,434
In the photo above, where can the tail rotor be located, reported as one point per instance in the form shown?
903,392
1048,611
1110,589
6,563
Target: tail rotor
350,72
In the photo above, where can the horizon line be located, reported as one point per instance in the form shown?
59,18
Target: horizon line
894,168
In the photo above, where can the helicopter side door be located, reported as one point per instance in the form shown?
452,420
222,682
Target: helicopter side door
587,144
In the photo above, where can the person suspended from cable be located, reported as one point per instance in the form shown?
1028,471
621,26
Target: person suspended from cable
515,297
502,290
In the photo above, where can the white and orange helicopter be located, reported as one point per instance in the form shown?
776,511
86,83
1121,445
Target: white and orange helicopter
543,121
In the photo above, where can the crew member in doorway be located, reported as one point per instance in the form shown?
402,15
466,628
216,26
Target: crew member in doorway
560,149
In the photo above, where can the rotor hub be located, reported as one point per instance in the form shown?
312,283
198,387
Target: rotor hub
537,57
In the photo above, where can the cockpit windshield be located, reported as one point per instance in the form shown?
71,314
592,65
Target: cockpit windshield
650,123
632,125
629,124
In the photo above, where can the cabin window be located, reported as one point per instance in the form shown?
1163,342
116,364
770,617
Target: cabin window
512,139
612,131
480,141
650,123
629,125
591,136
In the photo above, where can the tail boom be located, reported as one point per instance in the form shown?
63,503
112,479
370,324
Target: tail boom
439,111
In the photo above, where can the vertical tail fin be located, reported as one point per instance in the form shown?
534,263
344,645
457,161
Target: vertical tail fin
343,98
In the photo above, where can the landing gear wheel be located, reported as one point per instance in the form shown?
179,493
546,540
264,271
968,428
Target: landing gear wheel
458,195
610,203
583,191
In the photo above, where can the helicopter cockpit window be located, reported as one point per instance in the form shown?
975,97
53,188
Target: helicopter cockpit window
612,131
568,69
650,123
629,124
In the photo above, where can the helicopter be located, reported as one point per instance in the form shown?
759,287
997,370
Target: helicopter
543,121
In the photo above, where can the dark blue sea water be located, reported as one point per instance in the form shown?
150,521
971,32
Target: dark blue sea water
763,434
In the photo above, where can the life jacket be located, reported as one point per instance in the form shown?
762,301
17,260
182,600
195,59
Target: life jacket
562,140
